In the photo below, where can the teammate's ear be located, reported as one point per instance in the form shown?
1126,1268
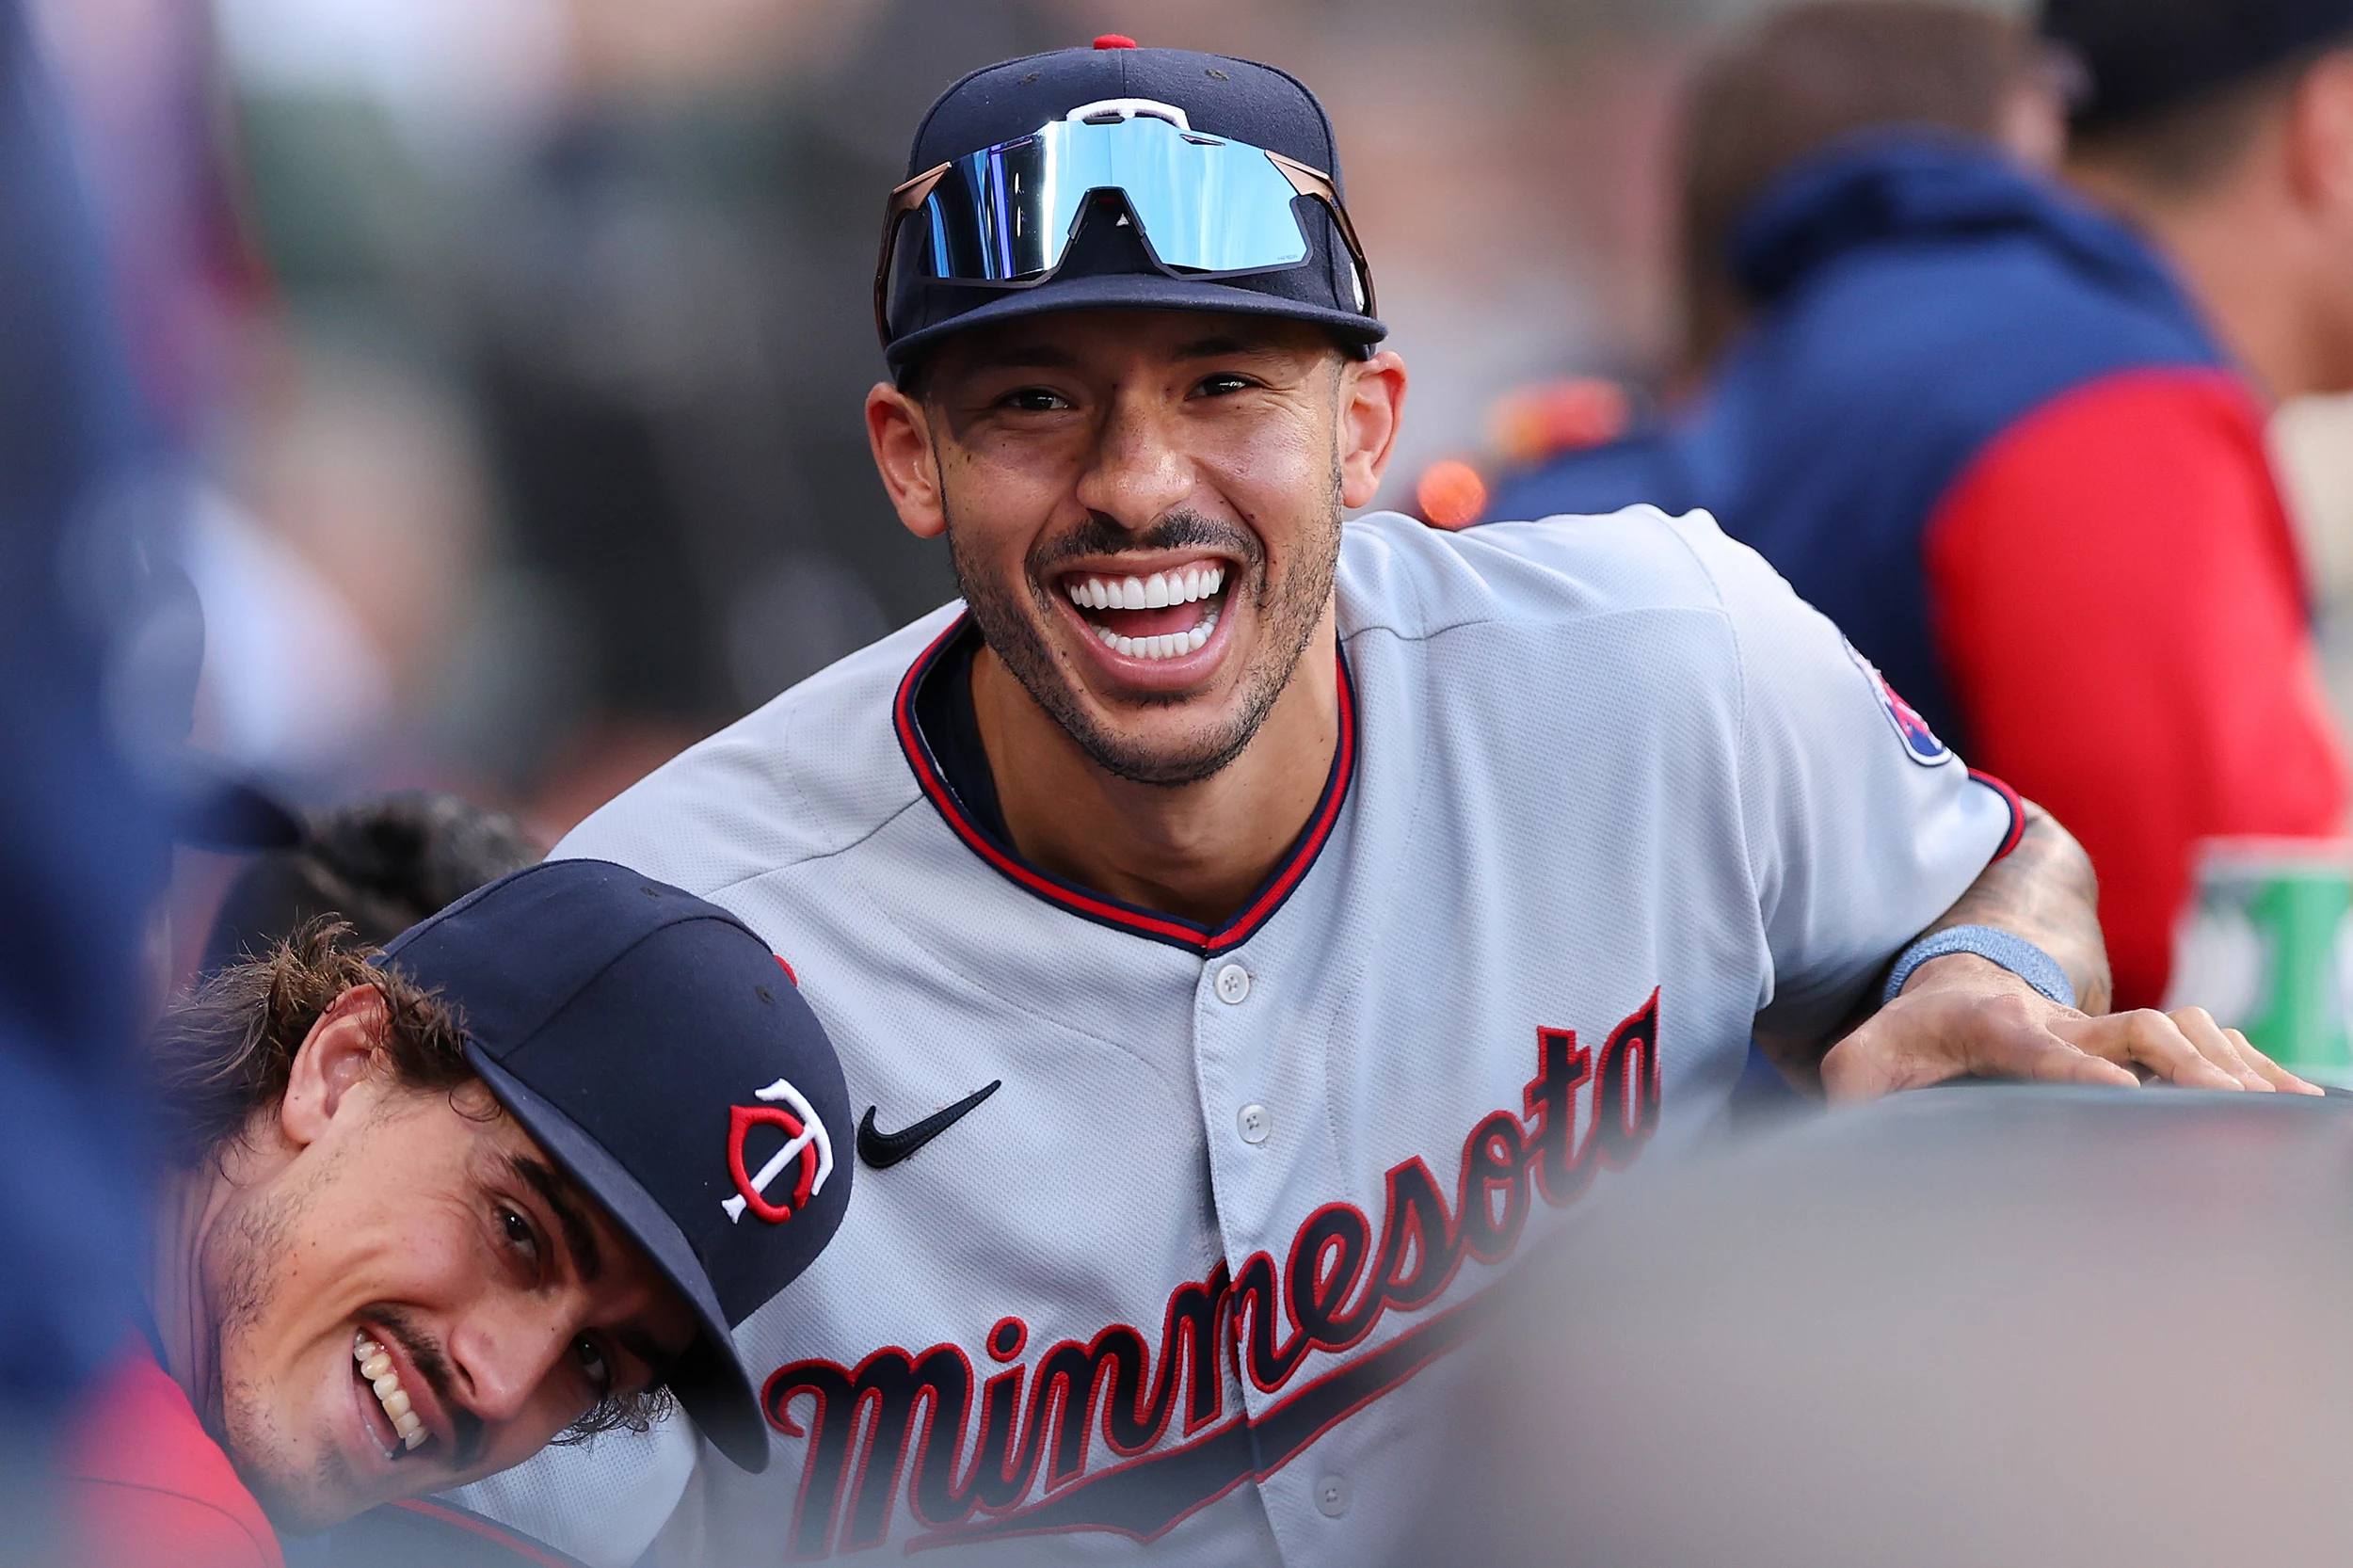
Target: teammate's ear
336,1056
1372,401
900,433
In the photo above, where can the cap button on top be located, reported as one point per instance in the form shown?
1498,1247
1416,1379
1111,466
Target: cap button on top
1115,40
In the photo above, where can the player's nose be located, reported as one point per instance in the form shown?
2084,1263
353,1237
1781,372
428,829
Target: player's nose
504,1352
1136,473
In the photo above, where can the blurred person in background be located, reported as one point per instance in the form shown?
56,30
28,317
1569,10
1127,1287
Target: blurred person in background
83,849
378,865
551,1253
2012,444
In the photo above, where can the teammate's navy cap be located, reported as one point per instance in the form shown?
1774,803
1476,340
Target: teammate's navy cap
661,1055
2141,56
1116,177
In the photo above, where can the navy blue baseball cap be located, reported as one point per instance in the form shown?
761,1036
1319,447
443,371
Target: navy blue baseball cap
1196,241
2139,56
660,1053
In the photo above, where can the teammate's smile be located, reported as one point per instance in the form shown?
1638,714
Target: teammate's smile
1164,616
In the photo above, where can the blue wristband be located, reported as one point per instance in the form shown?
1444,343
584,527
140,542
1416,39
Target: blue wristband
2012,952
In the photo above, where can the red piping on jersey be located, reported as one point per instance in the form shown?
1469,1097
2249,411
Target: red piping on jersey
2017,811
1172,929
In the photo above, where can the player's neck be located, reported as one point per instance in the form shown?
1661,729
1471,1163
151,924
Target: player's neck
1197,851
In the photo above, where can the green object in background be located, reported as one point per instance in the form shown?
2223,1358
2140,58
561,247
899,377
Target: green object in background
2266,945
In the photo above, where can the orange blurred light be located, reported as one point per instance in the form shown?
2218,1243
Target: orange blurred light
1542,421
1451,494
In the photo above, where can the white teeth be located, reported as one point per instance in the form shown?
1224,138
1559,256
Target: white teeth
1154,592
399,1408
1168,645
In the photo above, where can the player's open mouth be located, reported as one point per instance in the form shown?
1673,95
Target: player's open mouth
388,1409
1167,615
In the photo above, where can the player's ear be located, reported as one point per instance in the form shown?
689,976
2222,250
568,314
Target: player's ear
899,431
334,1058
1371,404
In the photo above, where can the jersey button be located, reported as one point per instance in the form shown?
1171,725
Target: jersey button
1332,1496
1255,1124
1233,985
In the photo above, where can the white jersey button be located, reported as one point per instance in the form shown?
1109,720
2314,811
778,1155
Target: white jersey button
1233,985
1255,1124
1332,1496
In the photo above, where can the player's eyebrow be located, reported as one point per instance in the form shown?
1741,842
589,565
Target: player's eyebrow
580,1238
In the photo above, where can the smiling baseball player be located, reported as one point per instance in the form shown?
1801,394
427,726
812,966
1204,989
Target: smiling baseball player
1242,928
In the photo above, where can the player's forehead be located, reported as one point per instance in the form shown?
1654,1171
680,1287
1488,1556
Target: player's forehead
1107,340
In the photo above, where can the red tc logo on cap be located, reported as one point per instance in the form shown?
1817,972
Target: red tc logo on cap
807,1154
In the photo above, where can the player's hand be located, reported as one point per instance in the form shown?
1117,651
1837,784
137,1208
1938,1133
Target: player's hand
1961,1015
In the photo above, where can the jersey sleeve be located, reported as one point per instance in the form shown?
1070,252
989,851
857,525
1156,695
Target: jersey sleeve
1861,826
2115,597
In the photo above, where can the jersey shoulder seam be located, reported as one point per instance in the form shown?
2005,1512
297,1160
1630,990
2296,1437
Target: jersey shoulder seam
817,855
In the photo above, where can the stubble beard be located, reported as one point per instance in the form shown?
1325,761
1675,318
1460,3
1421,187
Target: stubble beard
1012,621
242,1256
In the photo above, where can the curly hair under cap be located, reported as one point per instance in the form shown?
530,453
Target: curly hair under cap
225,1052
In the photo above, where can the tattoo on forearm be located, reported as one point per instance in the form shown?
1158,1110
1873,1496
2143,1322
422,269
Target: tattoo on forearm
2045,891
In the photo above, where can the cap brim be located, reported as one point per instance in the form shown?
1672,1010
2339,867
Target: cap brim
710,1382
1136,291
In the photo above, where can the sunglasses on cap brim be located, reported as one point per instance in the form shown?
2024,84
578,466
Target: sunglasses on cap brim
1206,206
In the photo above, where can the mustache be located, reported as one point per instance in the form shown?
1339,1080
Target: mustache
468,1432
1100,536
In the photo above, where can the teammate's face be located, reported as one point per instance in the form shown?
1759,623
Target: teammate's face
430,1226
1144,508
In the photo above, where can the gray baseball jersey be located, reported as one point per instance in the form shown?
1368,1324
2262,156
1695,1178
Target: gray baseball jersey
1606,795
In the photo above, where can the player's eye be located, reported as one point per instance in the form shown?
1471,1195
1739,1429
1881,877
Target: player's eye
593,1364
1034,400
1222,383
519,1233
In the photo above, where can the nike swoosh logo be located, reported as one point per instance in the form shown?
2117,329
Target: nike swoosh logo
881,1150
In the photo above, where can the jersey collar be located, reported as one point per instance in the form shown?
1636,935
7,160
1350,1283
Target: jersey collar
1172,930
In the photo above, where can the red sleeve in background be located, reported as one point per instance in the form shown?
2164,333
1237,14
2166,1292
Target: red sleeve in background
2114,593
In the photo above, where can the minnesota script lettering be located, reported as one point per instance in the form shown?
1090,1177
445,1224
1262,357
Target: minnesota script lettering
1343,1275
